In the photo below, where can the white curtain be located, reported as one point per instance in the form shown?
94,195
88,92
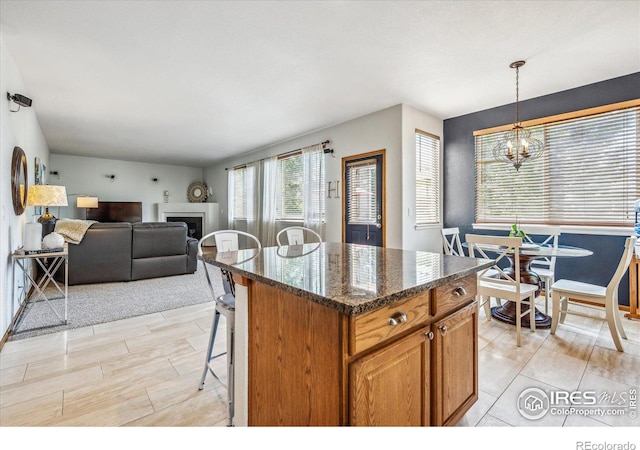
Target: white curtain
313,192
269,200
252,189
230,194
260,184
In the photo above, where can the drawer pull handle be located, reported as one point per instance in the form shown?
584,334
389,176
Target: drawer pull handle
460,291
443,330
397,318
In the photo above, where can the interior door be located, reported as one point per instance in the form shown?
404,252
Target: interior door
364,214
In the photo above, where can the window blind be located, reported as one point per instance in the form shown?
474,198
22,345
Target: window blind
361,182
427,178
588,174
241,193
289,204
314,198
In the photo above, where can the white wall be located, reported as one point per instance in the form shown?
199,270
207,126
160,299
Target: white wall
429,238
133,182
379,130
23,130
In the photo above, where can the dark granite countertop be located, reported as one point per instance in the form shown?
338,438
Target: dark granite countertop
350,278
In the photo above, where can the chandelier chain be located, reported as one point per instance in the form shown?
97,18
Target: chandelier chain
517,95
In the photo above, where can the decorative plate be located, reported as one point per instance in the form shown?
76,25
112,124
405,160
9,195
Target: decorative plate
197,192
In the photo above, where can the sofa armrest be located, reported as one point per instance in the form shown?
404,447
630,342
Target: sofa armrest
192,255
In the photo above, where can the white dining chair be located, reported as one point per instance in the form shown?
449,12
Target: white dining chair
544,267
451,244
227,247
295,235
595,296
506,287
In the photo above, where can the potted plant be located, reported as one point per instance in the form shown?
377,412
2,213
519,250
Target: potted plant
516,231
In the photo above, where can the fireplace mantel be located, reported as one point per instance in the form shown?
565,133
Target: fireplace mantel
208,211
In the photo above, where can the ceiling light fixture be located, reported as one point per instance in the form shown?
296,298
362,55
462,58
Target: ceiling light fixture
516,145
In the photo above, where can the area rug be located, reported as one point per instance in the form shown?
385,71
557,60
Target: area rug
91,304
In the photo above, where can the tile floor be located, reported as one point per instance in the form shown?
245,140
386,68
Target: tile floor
145,371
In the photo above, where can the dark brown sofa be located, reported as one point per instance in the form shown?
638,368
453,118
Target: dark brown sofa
123,251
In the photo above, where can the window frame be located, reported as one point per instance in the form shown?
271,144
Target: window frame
280,217
554,215
434,217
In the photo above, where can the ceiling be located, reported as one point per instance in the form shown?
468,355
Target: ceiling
195,82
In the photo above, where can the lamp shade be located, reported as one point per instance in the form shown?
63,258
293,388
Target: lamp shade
87,202
46,195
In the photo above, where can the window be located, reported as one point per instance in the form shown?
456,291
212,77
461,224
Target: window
361,183
588,174
290,195
427,178
290,187
242,192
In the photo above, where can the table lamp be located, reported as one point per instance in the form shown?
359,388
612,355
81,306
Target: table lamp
87,203
47,195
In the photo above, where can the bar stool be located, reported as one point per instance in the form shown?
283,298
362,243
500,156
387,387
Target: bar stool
227,246
295,235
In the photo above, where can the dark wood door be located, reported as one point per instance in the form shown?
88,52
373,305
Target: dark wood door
364,218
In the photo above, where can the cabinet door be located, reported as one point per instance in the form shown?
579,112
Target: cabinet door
455,357
390,387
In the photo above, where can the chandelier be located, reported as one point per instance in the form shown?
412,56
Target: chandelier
516,145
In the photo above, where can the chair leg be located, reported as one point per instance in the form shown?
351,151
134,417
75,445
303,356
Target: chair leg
611,321
209,355
532,313
616,316
231,330
564,307
547,285
555,311
487,307
518,321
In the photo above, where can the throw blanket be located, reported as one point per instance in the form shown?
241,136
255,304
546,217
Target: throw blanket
73,230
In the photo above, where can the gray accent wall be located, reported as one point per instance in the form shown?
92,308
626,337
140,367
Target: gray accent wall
459,172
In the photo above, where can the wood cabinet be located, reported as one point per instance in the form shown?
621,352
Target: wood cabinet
391,387
455,356
410,363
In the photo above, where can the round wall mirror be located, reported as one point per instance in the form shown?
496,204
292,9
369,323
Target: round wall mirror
197,192
19,184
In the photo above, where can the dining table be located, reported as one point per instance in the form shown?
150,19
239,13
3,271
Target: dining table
506,312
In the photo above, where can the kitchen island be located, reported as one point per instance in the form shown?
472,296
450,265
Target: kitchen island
341,334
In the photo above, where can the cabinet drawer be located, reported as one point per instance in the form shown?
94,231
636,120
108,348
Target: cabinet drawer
451,295
377,326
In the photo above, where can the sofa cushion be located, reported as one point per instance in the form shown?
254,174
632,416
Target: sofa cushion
161,266
103,255
154,239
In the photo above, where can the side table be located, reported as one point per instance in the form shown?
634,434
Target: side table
35,283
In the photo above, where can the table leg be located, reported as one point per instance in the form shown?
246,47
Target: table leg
507,311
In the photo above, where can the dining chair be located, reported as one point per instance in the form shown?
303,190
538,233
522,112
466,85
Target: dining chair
295,235
451,244
563,292
227,245
506,286
545,267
